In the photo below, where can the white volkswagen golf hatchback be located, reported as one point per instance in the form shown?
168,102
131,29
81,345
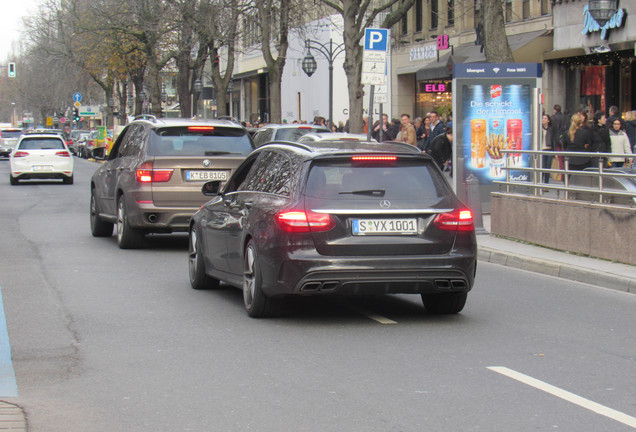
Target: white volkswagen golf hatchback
41,156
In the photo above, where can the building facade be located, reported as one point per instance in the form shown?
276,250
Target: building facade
436,34
592,68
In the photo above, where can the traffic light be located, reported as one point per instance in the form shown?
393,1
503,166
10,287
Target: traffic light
76,116
11,69
216,59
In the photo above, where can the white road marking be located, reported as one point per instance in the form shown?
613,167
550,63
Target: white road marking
566,395
372,315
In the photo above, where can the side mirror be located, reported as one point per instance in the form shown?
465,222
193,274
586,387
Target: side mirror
211,188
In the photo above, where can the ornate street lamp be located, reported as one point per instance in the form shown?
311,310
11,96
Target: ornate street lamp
309,66
602,10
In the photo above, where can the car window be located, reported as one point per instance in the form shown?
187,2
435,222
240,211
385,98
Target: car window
41,144
413,180
199,141
130,143
10,134
272,173
292,134
263,136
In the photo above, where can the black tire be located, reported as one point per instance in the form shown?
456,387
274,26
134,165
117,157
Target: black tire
444,304
14,181
99,228
67,180
256,303
196,265
127,236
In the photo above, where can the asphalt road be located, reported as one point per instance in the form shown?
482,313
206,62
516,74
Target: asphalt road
111,340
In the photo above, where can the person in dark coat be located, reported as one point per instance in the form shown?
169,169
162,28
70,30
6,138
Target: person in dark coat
630,128
548,141
441,149
600,136
437,128
578,139
560,126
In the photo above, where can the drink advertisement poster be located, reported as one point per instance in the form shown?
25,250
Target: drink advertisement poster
496,117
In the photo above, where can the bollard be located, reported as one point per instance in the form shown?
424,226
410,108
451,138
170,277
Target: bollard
473,201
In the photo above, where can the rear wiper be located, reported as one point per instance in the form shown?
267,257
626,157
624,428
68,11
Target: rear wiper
217,153
370,192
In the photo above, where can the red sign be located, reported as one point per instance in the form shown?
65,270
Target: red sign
62,119
442,42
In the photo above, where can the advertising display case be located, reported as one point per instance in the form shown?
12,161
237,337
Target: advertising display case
496,107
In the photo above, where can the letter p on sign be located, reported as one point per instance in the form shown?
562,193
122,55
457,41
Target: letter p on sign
376,39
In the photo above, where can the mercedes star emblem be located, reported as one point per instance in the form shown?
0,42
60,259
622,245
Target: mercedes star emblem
385,204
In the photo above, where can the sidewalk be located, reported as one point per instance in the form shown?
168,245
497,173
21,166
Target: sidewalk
551,262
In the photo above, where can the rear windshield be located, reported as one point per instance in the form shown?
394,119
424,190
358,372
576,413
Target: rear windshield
182,141
292,134
415,180
10,134
41,144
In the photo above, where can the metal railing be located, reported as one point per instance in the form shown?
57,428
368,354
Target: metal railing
598,188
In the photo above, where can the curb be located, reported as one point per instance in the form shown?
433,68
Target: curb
560,270
12,418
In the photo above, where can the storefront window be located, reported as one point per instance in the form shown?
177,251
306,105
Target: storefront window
434,96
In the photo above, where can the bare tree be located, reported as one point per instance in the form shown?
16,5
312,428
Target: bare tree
493,36
357,16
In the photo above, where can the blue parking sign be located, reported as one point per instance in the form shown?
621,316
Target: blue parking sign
376,39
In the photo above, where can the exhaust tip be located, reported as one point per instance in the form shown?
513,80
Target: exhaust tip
152,218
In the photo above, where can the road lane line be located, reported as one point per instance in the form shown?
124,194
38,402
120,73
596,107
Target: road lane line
372,315
566,395
8,385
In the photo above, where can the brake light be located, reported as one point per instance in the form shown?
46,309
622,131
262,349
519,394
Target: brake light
379,158
304,221
20,154
146,173
201,128
458,220
63,154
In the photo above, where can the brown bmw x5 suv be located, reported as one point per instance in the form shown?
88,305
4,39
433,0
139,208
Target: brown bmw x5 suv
151,181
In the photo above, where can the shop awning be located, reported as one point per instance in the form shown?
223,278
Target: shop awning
471,53
572,52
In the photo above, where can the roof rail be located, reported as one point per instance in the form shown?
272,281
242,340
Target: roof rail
289,143
149,117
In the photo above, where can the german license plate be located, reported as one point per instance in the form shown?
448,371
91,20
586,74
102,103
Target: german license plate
42,168
206,175
384,226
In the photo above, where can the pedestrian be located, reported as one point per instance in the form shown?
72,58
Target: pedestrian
423,131
613,115
630,128
436,128
441,149
578,139
449,121
600,136
407,131
365,122
548,141
388,131
560,125
620,143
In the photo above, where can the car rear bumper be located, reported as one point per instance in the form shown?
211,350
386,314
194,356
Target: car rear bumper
373,276
152,218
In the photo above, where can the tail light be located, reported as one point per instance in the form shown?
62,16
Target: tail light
20,154
201,128
458,220
299,221
63,154
146,173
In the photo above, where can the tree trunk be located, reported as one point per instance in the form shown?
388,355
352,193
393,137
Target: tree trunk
353,70
496,47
